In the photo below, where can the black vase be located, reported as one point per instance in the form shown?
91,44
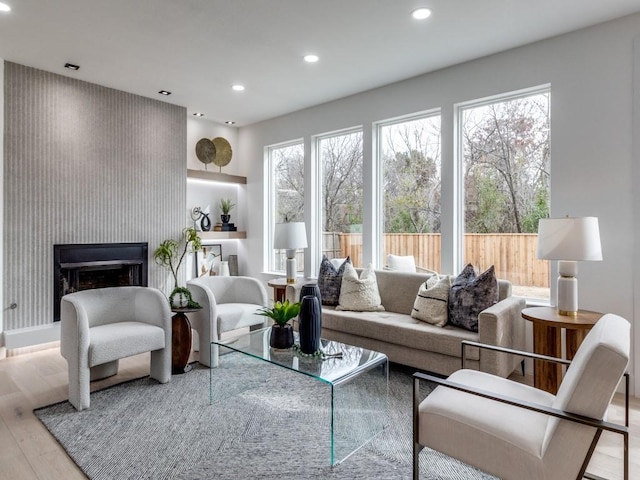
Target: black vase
311,289
205,222
281,336
310,319
225,218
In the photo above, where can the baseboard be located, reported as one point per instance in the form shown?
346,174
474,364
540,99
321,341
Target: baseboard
28,337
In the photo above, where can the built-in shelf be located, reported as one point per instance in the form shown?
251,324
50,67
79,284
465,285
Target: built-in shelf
216,177
221,235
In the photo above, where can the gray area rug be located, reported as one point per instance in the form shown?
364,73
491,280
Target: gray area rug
273,424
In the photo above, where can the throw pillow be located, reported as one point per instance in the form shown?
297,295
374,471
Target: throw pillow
401,263
360,294
432,301
330,280
470,295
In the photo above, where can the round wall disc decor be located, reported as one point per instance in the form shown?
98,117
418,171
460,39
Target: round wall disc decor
205,151
223,152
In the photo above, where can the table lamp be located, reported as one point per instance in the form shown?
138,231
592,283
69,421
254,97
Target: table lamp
290,237
568,240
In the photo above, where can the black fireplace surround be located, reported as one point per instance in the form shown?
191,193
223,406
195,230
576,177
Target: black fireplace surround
96,265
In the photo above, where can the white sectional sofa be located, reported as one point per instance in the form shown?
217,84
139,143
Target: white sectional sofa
418,344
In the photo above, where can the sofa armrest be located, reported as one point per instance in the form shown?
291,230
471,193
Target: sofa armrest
502,325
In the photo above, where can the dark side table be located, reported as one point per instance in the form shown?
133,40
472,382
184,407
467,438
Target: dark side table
181,340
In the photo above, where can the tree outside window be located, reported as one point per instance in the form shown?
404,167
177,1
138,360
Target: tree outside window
505,172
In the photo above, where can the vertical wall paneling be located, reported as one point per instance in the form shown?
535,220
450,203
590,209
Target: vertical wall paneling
1,200
83,164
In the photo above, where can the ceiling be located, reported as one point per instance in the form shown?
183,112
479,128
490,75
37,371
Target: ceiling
197,49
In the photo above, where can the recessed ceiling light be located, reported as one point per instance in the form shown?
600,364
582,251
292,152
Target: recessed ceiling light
238,88
198,114
421,13
4,7
311,58
164,92
230,122
71,66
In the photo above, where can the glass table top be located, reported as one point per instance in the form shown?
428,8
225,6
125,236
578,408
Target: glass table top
338,362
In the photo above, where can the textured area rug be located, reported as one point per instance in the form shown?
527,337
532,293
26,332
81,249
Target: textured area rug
270,423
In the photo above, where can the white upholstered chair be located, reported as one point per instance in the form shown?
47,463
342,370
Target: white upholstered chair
404,263
514,431
100,326
228,303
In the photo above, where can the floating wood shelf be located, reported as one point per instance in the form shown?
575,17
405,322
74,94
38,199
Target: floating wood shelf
216,176
221,235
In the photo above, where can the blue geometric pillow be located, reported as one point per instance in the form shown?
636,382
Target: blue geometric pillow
330,280
470,295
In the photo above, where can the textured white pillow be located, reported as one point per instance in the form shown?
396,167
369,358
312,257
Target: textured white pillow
359,294
401,263
432,301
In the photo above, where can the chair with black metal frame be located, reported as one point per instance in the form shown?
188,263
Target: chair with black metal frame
515,431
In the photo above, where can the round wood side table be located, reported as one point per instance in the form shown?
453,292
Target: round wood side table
547,340
181,340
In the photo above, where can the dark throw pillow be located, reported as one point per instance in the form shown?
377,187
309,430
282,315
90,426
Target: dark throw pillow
330,280
470,295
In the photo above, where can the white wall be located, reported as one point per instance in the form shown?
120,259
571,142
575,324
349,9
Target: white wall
590,72
2,350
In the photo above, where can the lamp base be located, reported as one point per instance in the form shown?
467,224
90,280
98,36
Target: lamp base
566,313
291,270
567,289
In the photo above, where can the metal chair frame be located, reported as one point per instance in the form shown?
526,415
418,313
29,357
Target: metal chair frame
598,424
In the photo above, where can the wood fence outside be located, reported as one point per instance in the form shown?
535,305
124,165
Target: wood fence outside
512,254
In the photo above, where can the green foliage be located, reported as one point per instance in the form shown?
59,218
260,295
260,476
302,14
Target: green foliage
170,253
226,205
540,209
281,313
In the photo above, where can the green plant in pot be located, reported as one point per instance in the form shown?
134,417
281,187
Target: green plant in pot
225,207
281,330
170,254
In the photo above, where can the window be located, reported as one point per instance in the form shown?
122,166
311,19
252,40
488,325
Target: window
409,154
505,175
286,180
340,159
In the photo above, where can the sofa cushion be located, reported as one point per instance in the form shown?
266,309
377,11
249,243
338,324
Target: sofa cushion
401,263
470,295
400,329
122,339
359,294
330,280
432,300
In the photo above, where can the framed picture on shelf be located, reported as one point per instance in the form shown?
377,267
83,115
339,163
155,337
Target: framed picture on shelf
208,260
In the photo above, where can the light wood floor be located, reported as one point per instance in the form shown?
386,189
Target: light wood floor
31,380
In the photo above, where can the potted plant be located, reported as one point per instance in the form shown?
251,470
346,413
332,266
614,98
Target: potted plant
170,254
281,330
225,207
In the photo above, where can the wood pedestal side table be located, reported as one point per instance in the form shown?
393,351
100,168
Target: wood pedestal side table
181,340
279,288
547,340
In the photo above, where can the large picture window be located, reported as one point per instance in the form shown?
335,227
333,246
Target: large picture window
286,171
409,154
505,175
340,158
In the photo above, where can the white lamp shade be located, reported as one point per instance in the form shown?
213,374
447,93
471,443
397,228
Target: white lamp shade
573,239
290,236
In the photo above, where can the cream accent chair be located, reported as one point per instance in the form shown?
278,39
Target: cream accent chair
514,431
228,303
100,326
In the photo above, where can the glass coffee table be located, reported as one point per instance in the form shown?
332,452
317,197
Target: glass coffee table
357,378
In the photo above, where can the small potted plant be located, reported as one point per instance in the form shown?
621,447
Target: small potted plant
281,330
170,254
225,207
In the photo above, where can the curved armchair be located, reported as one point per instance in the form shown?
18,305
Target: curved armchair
228,303
100,326
515,431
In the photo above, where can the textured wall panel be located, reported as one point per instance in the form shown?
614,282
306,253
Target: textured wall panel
83,164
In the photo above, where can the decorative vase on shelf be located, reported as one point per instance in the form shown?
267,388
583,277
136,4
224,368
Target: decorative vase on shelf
281,336
225,218
224,268
310,324
205,222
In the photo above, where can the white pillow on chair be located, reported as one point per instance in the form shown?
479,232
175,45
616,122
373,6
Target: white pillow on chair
401,263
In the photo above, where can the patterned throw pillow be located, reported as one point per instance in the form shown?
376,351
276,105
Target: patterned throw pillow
470,295
432,301
360,294
330,280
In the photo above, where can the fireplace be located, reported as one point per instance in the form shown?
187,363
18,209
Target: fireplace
84,266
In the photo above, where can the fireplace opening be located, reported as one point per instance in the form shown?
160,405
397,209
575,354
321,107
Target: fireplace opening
97,265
